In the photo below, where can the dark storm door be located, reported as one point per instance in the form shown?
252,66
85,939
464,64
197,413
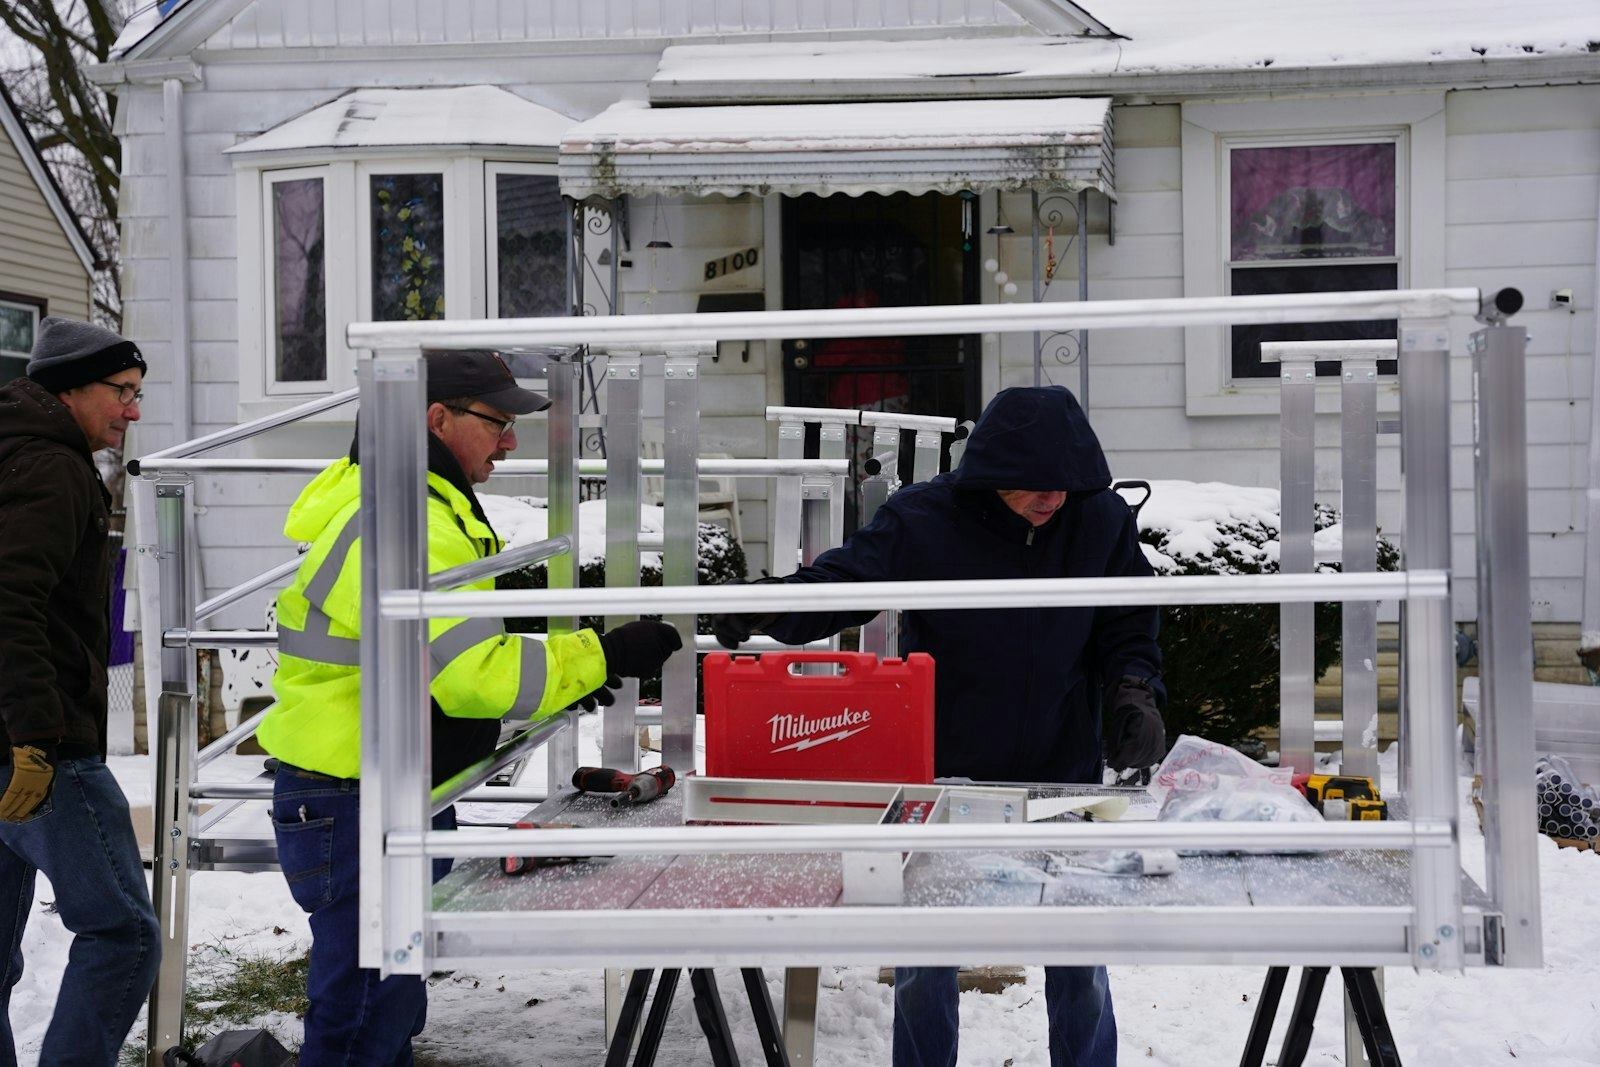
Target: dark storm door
881,251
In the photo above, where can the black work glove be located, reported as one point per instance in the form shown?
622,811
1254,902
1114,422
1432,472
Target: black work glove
32,770
600,697
638,649
1135,737
734,630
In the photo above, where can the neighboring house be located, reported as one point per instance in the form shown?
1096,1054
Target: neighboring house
46,267
1248,146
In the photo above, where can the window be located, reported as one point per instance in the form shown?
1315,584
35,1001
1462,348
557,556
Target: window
298,277
329,242
1307,219
528,234
1304,196
18,323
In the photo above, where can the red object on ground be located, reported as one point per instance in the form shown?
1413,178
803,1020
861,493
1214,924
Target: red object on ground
871,723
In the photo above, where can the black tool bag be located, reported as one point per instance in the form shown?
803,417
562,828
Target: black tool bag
233,1048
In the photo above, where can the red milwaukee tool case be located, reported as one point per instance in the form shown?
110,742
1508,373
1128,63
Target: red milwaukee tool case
873,722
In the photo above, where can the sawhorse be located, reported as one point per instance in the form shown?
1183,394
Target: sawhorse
1365,1004
707,1006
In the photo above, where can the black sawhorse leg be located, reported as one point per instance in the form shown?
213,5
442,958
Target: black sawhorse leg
708,1009
1365,1004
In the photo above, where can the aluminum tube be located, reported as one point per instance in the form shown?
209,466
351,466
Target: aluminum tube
1296,514
752,645
921,321
242,432
1589,634
395,725
500,563
987,593
1083,297
619,740
225,743
1358,499
960,837
180,353
452,789
926,464
563,448
843,416
680,558
512,468
181,638
831,444
245,588
1429,638
786,500
1506,749
902,421
256,790
1038,283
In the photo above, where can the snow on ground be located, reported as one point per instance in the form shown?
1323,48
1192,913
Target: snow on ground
1168,1016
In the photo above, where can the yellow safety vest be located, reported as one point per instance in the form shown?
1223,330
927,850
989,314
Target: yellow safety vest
478,670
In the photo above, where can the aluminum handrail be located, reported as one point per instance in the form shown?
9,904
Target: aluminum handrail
451,789
225,743
177,637
1409,304
499,563
510,468
963,837
875,596
245,588
242,432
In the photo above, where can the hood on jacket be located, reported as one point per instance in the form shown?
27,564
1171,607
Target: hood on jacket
28,409
1033,438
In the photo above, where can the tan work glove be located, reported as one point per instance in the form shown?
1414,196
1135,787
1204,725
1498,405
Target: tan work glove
31,775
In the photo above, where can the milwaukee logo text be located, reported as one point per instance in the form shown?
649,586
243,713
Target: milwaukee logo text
803,732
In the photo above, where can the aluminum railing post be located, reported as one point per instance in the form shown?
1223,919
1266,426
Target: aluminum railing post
1296,518
1505,637
1358,502
926,463
681,548
832,444
875,635
395,726
786,501
619,741
561,489
173,743
1429,644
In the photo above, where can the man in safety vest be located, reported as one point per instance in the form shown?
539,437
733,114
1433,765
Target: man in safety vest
479,674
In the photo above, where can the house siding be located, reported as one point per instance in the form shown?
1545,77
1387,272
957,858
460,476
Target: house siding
36,258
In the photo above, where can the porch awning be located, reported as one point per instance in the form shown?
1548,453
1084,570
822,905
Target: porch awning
922,146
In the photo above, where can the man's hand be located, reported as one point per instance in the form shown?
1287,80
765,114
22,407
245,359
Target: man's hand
32,771
601,697
734,630
1135,737
638,649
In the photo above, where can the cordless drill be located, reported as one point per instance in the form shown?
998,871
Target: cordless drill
638,788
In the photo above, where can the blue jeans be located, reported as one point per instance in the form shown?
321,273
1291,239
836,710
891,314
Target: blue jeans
1083,1031
354,1017
84,844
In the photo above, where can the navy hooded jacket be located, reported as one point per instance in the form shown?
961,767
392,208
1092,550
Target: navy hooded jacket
1017,691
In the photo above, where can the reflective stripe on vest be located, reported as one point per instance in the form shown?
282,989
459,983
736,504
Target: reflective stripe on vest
316,644
530,684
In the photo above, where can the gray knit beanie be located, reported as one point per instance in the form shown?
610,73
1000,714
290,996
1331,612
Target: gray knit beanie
68,353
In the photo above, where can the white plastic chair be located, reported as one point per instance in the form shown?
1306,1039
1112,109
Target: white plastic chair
719,497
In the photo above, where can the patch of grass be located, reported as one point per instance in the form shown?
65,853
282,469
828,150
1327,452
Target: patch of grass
232,991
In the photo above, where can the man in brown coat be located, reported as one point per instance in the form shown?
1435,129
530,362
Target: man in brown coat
61,811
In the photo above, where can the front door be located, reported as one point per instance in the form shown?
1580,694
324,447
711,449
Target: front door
881,251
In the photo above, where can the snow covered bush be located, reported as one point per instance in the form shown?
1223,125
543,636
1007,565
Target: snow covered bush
1221,660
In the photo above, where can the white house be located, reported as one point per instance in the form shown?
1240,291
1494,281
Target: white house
296,165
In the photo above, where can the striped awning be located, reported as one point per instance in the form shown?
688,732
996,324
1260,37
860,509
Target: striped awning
942,146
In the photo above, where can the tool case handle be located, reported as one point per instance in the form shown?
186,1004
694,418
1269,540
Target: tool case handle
854,663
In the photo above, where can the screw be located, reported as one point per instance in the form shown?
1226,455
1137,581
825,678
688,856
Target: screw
401,955
964,810
416,937
1007,810
1447,932
670,372
172,866
1426,951
176,832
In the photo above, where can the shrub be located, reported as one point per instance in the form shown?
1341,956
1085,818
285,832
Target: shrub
1220,661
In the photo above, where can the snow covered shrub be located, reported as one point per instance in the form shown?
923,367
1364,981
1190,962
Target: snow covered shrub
1221,660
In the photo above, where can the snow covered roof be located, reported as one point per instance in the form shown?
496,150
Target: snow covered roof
1162,37
385,118
918,147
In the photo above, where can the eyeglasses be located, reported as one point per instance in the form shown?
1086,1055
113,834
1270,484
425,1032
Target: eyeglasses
502,426
126,394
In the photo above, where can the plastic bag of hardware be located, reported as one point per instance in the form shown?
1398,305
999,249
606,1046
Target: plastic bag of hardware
1195,763
996,867
1235,799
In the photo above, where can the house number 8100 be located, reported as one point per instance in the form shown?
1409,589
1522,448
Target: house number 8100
716,268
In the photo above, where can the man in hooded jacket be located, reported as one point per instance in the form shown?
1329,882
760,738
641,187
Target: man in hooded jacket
1018,692
61,811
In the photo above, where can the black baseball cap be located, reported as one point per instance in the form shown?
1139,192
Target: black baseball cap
482,375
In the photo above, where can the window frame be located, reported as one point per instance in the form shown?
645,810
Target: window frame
331,240
1415,122
37,310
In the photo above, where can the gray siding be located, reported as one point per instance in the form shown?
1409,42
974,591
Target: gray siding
36,259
